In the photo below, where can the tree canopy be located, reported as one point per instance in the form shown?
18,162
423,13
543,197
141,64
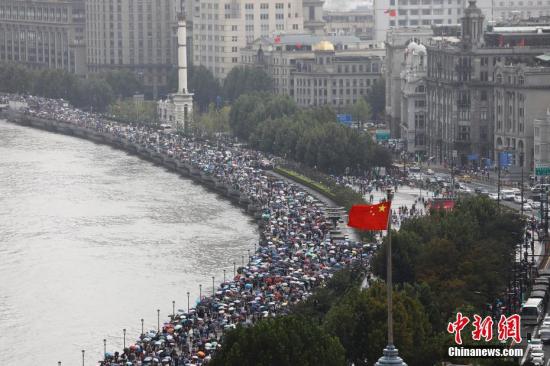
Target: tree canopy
463,255
281,341
245,80
93,92
376,98
311,136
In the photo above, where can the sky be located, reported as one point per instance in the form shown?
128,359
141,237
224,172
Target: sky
344,4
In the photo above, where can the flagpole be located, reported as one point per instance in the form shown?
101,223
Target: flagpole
389,279
390,356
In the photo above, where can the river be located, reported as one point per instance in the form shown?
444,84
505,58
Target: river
93,239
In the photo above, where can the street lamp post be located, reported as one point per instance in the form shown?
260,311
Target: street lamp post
224,275
142,326
521,162
124,340
104,349
58,363
188,302
158,320
173,309
83,357
390,355
200,291
213,289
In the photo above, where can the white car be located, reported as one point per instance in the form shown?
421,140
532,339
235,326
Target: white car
535,205
535,344
537,358
517,198
527,207
493,196
544,333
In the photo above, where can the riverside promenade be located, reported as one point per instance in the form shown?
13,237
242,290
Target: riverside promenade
295,251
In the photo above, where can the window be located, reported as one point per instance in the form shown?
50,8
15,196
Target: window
483,95
499,78
419,103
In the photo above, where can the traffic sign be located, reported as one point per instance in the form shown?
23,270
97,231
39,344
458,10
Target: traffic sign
542,170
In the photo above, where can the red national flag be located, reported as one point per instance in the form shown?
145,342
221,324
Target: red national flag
278,39
501,41
391,12
298,45
370,217
522,42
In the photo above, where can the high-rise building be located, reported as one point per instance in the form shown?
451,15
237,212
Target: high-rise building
358,22
43,34
222,28
137,35
395,14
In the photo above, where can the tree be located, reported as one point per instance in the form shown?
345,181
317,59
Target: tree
359,322
241,80
15,78
463,256
123,83
205,87
214,122
281,341
376,98
93,93
361,111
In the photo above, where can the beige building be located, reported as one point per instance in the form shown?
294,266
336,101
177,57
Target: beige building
335,78
222,28
280,55
357,23
521,96
138,35
43,34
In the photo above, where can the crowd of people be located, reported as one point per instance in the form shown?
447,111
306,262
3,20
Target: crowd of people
295,253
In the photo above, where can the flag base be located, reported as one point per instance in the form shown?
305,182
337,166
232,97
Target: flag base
390,357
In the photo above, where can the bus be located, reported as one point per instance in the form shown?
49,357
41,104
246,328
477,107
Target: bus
532,311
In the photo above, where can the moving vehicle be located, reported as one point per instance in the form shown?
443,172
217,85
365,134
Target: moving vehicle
517,198
532,311
527,207
465,178
544,333
507,194
493,196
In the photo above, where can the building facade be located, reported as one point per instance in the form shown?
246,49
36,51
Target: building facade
288,57
414,13
313,16
396,47
541,145
43,34
460,84
359,23
133,35
413,100
334,78
222,28
521,96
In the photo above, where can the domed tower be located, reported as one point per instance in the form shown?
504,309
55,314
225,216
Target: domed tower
472,25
